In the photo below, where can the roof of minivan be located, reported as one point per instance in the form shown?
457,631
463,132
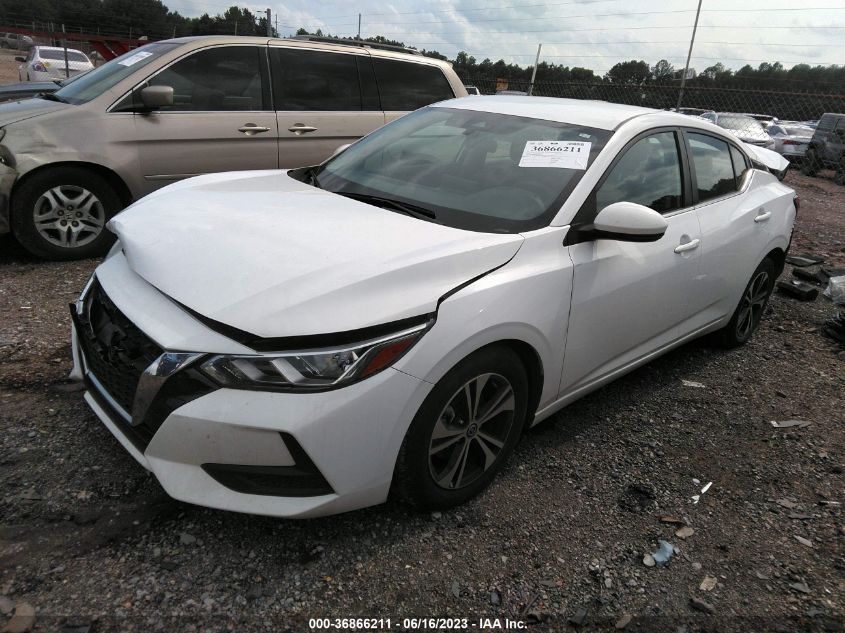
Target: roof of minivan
597,114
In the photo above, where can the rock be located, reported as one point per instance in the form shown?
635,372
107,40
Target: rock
456,589
685,532
669,518
6,605
187,539
696,566
786,503
495,597
801,587
622,622
692,383
648,560
22,621
701,605
803,541
579,618
436,515
708,584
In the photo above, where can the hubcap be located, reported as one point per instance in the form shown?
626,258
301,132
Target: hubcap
69,216
752,305
471,431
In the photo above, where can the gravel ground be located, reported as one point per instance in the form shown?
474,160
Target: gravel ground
89,540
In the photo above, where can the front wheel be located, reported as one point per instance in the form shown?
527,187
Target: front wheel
746,318
464,431
810,163
61,214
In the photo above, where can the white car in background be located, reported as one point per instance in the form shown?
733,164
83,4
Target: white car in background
48,63
791,139
300,343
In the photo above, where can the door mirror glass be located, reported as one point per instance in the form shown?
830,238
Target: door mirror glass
155,97
19,58
629,222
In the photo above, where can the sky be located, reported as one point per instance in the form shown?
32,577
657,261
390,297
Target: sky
593,34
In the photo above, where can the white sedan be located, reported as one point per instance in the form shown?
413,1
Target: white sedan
302,343
49,63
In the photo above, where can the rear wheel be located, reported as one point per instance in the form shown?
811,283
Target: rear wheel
464,431
839,176
746,318
810,164
61,213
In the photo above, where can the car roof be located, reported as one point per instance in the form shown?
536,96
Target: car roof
597,114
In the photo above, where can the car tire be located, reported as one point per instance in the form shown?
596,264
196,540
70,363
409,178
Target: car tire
4,45
746,318
451,453
839,176
810,164
61,213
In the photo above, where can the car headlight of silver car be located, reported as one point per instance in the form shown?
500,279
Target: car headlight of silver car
312,369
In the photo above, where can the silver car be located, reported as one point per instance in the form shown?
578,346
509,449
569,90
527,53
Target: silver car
744,127
177,108
791,139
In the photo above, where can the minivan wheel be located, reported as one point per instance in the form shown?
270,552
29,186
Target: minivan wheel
746,318
61,214
464,431
810,164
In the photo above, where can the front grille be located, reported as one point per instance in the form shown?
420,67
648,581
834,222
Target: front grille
116,352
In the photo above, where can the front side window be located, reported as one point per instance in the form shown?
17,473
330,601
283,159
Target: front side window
473,170
408,86
649,173
315,81
220,79
711,160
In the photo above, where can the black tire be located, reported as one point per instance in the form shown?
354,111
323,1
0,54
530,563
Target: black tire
757,292
414,478
29,200
4,45
839,176
810,163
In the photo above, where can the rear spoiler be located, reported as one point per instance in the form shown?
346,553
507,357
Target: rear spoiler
767,160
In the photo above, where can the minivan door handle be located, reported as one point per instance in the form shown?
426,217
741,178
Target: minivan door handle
300,128
762,215
687,246
251,129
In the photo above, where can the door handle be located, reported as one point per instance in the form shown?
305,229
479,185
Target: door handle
762,216
251,129
687,246
299,129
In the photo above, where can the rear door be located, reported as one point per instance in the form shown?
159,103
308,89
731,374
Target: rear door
409,85
324,99
630,299
221,118
836,143
734,219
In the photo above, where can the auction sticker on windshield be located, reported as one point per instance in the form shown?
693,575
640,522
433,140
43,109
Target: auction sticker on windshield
560,154
134,59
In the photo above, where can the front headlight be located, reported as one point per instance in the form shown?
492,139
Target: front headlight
313,369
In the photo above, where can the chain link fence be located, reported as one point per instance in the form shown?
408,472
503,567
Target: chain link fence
783,121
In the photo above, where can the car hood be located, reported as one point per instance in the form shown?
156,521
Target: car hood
267,254
15,111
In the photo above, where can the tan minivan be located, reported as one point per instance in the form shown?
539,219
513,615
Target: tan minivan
177,108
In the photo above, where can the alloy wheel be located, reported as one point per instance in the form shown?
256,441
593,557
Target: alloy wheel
69,216
471,431
752,305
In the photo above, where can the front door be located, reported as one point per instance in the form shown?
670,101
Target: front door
323,100
630,299
221,118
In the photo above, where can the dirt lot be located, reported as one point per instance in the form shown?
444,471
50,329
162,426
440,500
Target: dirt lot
88,539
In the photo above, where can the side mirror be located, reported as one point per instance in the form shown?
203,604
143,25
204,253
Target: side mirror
20,58
154,97
340,149
629,222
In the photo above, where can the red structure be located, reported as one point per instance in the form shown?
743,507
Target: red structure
109,46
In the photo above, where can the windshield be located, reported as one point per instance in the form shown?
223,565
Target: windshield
471,170
52,53
741,124
96,82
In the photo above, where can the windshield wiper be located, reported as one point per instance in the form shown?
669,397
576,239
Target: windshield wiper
413,210
51,97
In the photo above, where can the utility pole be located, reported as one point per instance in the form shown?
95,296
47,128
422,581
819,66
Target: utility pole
689,55
269,24
236,28
359,26
534,72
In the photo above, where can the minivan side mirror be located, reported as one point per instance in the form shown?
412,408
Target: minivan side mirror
629,222
20,58
154,97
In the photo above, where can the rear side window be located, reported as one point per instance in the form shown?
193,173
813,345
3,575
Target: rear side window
740,164
409,86
649,173
711,160
826,122
306,80
220,79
